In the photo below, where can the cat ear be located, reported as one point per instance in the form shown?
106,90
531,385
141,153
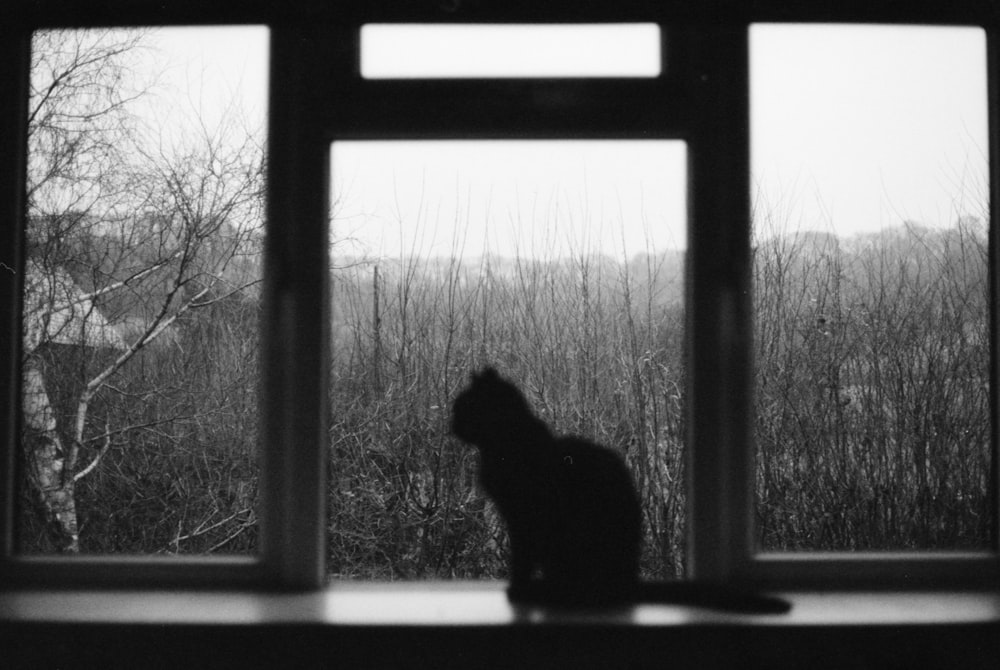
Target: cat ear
487,374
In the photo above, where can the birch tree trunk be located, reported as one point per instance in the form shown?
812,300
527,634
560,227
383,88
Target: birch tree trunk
47,461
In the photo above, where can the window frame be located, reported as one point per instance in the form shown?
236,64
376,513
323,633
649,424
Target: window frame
317,95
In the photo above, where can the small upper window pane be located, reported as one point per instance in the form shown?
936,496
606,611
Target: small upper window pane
496,51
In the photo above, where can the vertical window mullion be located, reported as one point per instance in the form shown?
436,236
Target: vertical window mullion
993,128
294,336
14,65
719,315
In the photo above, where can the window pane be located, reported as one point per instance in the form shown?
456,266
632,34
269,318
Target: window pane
871,287
398,51
560,263
144,226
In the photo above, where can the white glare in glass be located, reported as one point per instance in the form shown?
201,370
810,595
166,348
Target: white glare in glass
399,51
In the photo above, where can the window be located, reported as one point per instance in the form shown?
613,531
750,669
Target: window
559,262
871,288
392,51
141,291
873,420
317,98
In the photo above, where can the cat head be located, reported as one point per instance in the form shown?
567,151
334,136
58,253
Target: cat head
488,408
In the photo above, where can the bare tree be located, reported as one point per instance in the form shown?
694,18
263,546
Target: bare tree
126,237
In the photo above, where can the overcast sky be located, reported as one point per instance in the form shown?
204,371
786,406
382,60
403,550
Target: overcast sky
205,70
853,128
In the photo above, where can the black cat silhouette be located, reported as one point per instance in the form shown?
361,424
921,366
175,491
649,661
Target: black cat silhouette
571,509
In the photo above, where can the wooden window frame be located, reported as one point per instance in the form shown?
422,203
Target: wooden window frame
317,96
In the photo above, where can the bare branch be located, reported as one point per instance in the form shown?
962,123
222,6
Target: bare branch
239,531
203,530
97,459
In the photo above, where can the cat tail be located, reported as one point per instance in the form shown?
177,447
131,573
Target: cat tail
711,596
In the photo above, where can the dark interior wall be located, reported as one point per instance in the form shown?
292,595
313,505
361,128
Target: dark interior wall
527,646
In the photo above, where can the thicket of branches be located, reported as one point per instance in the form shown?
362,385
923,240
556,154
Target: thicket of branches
595,345
872,409
873,421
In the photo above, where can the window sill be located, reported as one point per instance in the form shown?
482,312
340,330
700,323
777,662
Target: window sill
471,625
471,604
